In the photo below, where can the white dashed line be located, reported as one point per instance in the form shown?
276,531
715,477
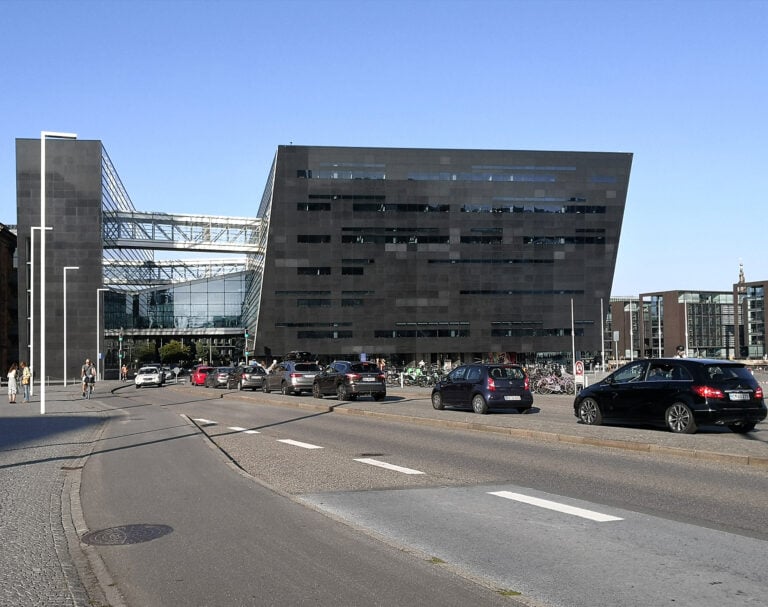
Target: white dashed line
535,501
205,422
243,430
296,443
375,462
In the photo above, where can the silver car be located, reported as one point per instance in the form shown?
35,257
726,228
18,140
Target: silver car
148,376
291,377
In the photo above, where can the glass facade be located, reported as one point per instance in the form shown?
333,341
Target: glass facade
200,304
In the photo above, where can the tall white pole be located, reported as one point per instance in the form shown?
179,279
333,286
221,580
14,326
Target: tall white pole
98,329
65,319
602,336
658,312
32,369
43,136
685,309
573,343
631,337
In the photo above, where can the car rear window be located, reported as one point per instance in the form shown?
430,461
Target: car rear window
364,368
726,372
306,367
506,372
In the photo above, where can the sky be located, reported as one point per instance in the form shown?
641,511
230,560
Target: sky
192,98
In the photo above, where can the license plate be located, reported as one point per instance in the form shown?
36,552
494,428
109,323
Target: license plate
310,376
511,398
369,379
739,396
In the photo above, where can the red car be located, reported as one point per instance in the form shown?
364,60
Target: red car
199,373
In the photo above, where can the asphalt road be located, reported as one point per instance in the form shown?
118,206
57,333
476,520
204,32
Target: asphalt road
443,500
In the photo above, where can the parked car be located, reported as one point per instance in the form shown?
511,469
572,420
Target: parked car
291,377
199,373
148,376
218,377
348,380
483,387
681,393
244,377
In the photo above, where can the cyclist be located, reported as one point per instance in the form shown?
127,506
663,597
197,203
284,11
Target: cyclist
88,375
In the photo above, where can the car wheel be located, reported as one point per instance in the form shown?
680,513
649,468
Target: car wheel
589,412
742,428
138,386
316,391
265,388
479,405
437,401
286,390
341,392
680,419
379,395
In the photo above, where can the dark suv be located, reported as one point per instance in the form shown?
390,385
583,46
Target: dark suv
291,377
348,380
682,393
484,387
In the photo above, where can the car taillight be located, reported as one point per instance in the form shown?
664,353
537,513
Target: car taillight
491,384
758,392
527,383
295,375
708,392
381,377
353,376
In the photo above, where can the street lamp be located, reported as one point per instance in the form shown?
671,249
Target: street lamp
43,136
98,329
32,308
65,318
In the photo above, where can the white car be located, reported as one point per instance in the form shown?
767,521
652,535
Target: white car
148,376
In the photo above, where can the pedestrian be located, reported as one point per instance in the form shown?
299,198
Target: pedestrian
124,373
680,352
12,387
26,379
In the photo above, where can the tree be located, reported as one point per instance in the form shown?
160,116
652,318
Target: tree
174,352
203,349
145,352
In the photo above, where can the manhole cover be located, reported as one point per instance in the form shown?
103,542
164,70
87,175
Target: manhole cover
126,534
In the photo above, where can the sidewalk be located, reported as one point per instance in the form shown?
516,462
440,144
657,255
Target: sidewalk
40,460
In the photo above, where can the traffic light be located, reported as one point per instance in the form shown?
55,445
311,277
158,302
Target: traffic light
246,334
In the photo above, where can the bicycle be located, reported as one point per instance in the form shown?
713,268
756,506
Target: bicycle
88,389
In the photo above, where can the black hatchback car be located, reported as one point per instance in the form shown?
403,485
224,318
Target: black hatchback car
682,393
483,387
348,380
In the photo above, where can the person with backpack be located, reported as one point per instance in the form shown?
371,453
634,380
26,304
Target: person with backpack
88,375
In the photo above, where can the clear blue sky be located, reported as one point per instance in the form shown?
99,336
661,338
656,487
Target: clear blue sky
191,100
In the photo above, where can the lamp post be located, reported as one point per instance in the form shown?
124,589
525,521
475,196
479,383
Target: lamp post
43,136
32,308
98,328
65,318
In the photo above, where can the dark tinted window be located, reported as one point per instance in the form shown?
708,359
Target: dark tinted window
506,372
364,368
306,367
726,372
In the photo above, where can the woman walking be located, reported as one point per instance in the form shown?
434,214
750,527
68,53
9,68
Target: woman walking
12,388
26,379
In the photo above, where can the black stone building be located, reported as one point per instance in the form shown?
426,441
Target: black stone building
73,211
9,333
436,254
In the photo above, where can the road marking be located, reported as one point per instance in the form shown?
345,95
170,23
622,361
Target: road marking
375,462
205,422
243,430
535,501
296,443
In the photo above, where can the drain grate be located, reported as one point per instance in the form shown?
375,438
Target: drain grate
126,534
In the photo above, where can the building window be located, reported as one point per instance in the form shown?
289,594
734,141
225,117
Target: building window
313,238
313,271
345,271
